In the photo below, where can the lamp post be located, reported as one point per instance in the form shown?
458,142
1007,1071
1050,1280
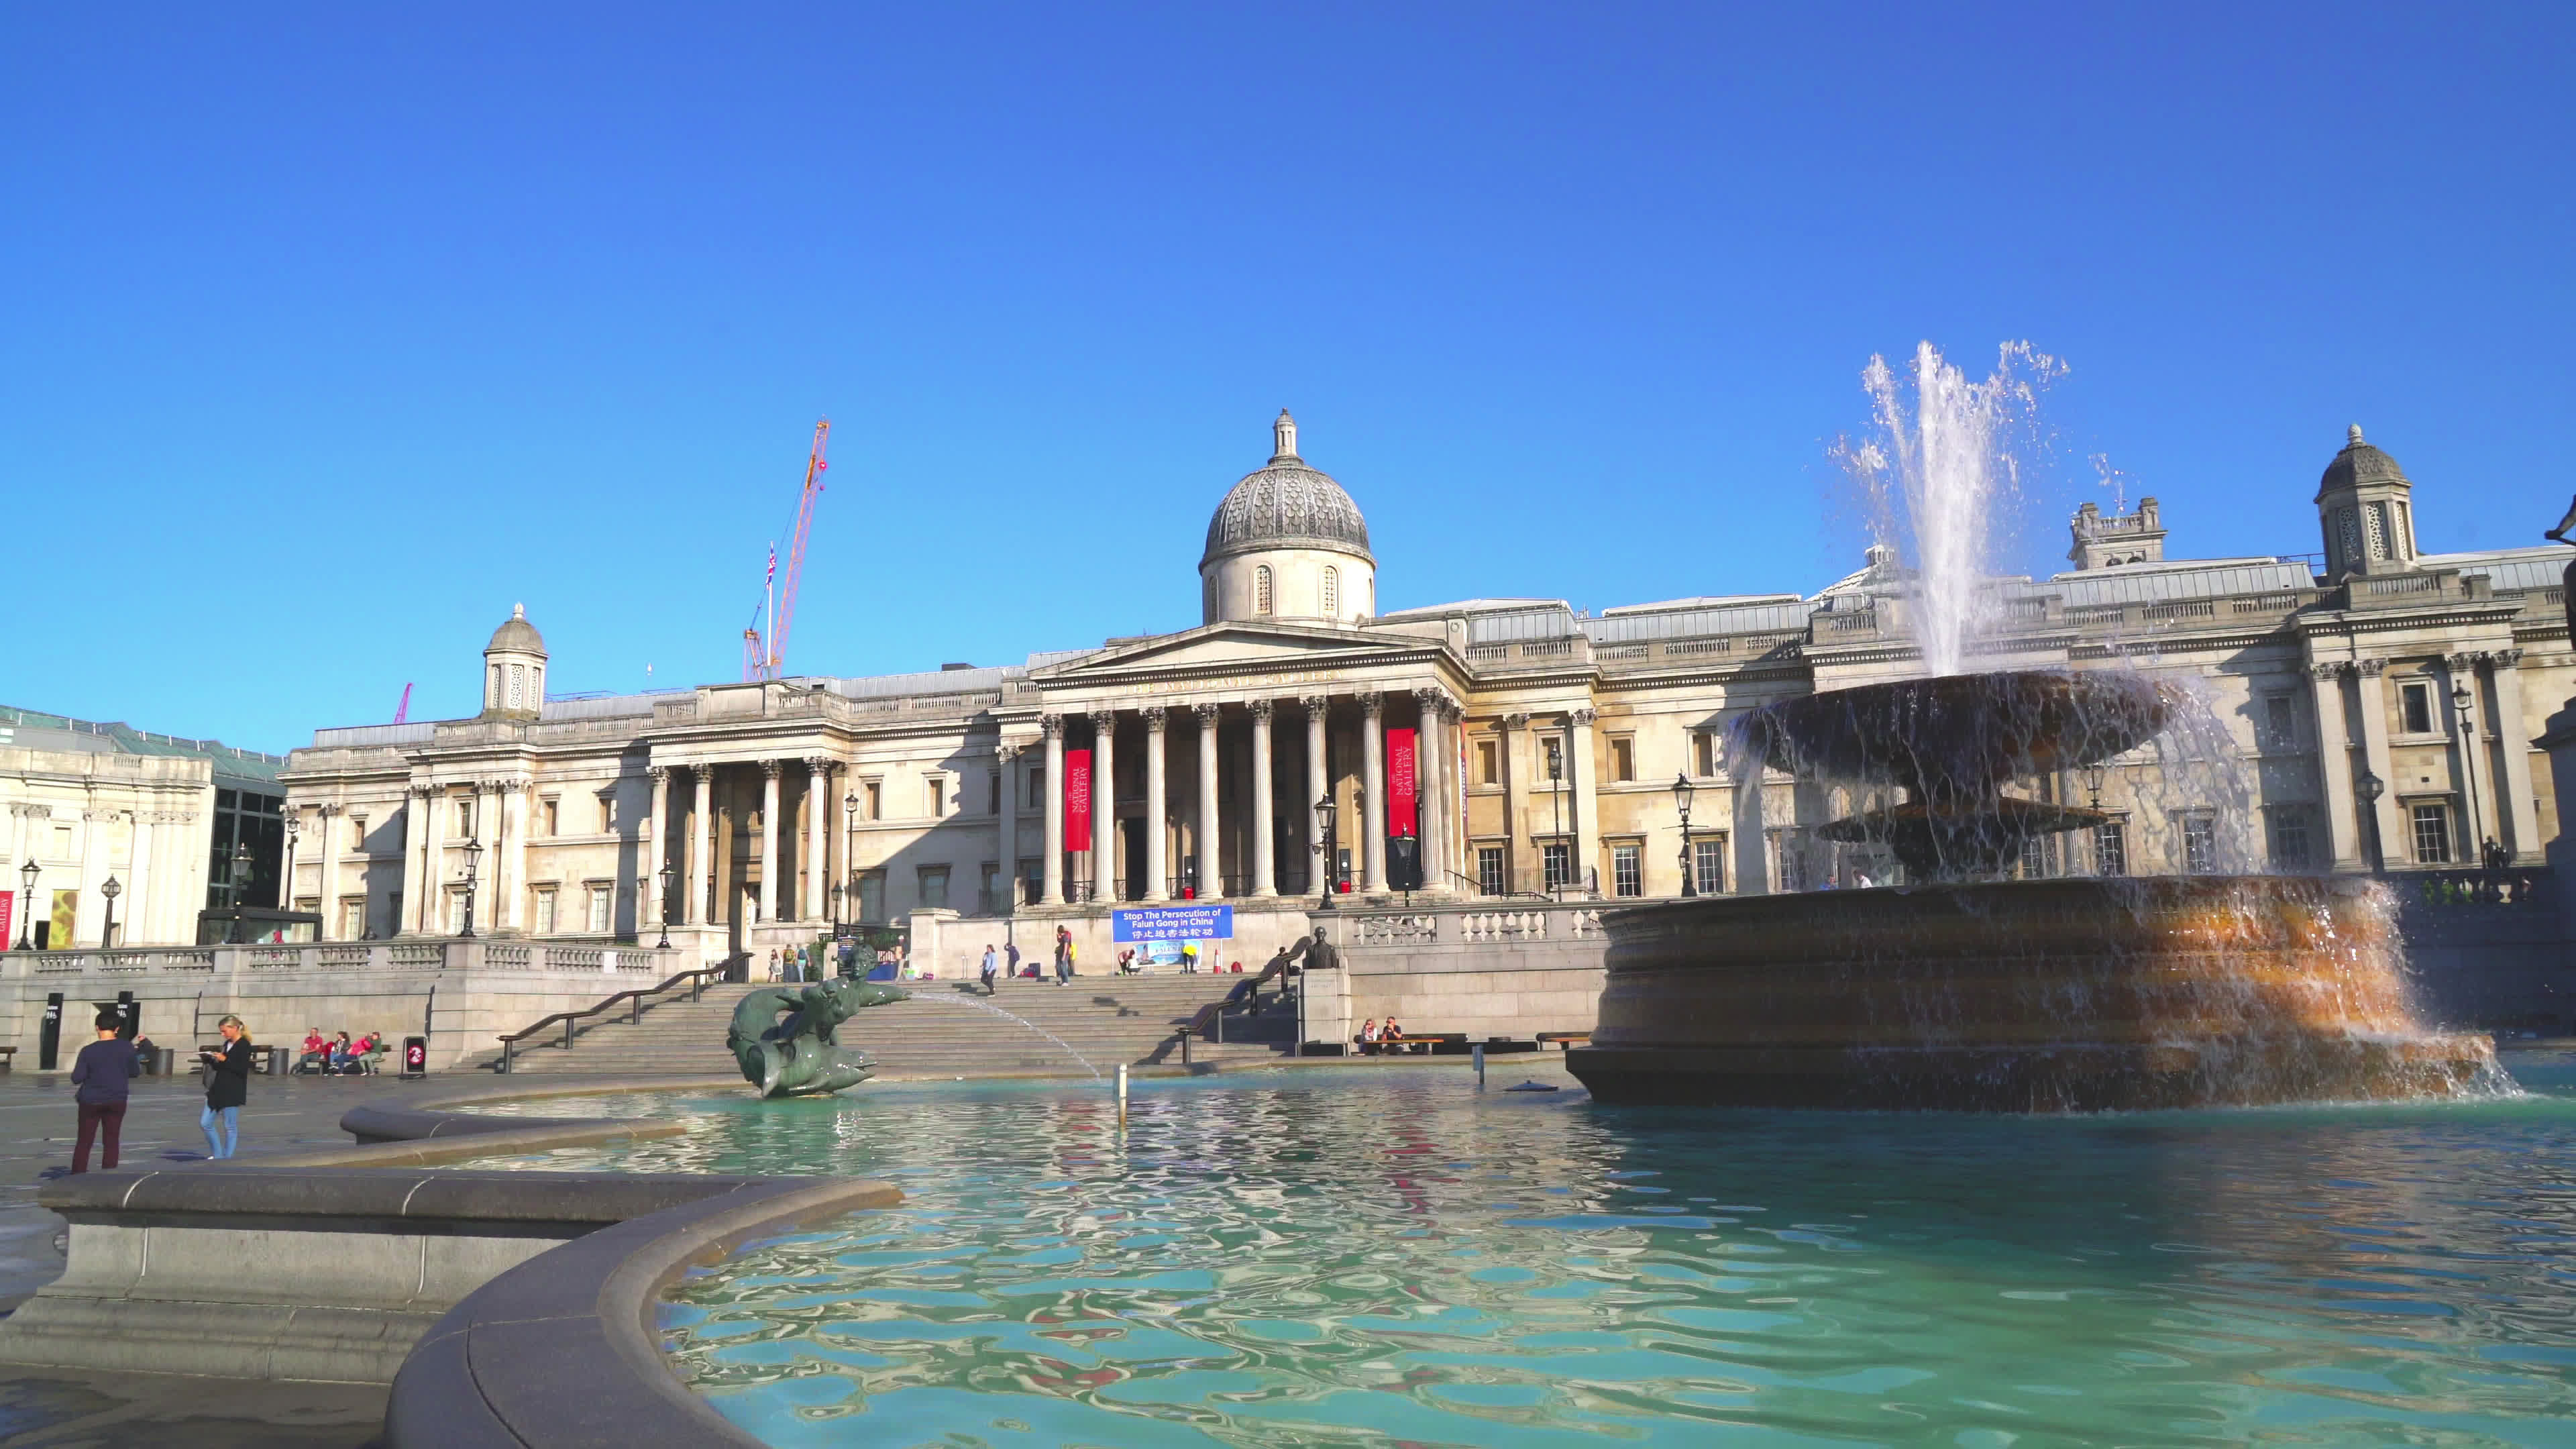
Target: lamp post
1682,802
109,890
668,875
2462,704
1324,813
241,875
473,858
838,891
2094,778
286,880
2370,787
27,905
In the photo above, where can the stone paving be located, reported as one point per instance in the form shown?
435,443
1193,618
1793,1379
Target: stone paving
60,1410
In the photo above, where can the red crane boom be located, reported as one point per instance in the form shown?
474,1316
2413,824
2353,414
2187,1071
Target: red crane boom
764,658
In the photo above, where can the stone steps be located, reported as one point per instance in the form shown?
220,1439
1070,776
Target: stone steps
1105,1020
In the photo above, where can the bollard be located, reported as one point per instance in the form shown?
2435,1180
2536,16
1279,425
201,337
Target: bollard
1480,1066
1122,1094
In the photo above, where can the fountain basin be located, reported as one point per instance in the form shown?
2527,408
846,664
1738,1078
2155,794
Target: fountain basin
2032,996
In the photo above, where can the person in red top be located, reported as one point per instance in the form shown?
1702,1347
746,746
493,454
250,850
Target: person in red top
317,1050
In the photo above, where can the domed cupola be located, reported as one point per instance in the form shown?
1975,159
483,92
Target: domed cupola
514,669
1287,543
2365,506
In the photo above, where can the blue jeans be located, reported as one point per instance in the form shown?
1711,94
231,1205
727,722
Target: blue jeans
222,1145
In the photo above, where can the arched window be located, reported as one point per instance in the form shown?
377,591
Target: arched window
492,689
1372,597
1261,595
1332,592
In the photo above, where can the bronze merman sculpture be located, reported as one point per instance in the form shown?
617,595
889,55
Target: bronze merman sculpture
798,1055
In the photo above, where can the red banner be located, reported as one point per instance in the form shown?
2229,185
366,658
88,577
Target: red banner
8,918
1077,799
1403,784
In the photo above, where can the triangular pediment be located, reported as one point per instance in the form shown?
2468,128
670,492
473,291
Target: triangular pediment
1238,648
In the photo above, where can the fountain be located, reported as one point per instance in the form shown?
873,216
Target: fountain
1962,989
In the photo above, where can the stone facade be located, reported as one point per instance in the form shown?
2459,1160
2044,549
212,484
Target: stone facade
1550,745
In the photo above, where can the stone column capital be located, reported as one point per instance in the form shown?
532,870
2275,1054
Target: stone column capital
659,774
327,809
1373,703
1051,726
1207,714
2506,658
1262,709
1104,719
1156,718
1512,721
772,768
818,766
2370,668
1582,718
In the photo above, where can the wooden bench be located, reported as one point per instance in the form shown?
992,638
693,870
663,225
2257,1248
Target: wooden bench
1565,1039
7,1052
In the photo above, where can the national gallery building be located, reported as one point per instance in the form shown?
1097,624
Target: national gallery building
2380,699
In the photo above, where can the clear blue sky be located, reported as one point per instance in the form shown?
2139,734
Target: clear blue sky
329,332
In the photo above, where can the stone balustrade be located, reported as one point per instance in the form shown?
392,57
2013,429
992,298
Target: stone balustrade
1493,970
332,957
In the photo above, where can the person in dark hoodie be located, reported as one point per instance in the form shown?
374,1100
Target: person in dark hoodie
101,1073
227,1088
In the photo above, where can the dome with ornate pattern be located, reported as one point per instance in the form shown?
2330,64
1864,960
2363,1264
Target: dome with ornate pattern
1286,505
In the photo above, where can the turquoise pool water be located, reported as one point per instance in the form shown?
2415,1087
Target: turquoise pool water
1392,1258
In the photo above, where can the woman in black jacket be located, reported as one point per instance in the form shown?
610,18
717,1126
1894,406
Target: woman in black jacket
227,1087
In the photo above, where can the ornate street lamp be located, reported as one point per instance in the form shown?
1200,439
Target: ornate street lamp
668,875
837,892
2095,777
107,933
1556,819
286,886
241,875
1682,802
1324,814
27,906
473,858
2370,787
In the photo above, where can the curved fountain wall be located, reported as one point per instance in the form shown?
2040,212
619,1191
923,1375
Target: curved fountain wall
2048,996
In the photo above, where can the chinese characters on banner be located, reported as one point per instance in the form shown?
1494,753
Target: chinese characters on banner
1077,799
1403,784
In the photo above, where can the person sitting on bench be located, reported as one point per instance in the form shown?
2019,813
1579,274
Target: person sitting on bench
1393,1037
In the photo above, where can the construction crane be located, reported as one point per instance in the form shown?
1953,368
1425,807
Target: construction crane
765,658
402,711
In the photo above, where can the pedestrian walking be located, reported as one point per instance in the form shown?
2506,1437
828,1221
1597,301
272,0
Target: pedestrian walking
1011,957
227,1088
992,963
773,965
1065,969
102,1072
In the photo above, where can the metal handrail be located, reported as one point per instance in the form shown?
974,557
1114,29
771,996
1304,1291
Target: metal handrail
697,978
1476,888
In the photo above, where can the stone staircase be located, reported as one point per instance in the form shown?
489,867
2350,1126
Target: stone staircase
1107,1019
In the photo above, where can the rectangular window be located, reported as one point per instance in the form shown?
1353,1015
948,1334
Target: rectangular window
551,817
1793,862
608,814
353,920
1623,757
2432,834
993,790
545,913
2281,722
2110,848
872,803
2034,858
988,893
937,794
358,834
1627,874
1556,859
2289,840
2199,844
1489,869
1708,864
394,911
455,912
1489,763
1037,787
1032,880
1706,757
872,895
603,906
933,881
465,818
2415,706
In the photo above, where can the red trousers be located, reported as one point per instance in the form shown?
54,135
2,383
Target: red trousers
106,1120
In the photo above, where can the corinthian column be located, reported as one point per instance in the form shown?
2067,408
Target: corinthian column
769,770
1104,805
653,905
1210,840
701,841
2513,746
1157,827
1318,784
1053,866
1006,824
325,898
1429,800
2334,766
1373,764
1587,829
1265,827
818,834
511,895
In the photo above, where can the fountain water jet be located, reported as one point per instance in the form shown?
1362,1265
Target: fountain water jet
1965,990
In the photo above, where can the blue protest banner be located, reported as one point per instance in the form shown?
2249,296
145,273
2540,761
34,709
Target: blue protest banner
1173,923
